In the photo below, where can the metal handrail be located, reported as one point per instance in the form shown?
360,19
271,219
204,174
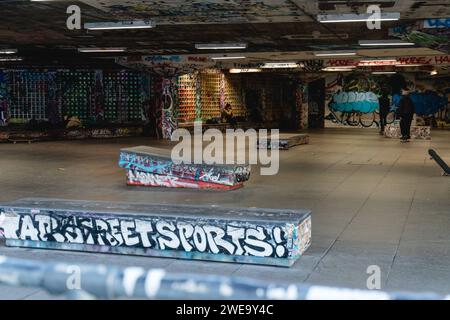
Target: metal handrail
109,282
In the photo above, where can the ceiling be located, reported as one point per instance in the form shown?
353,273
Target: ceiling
276,28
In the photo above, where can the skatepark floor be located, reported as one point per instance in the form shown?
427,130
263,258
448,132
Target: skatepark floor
374,201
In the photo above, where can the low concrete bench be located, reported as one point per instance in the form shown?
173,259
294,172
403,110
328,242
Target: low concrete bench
153,167
285,141
417,132
258,236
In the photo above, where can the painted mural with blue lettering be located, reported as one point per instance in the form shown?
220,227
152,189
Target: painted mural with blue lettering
204,232
436,23
425,103
365,102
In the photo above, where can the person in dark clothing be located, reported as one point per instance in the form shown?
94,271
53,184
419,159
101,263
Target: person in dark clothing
385,106
406,114
227,115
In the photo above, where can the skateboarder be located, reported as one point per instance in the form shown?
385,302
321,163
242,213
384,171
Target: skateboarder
406,113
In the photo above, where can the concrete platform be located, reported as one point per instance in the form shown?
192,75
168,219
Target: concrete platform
375,202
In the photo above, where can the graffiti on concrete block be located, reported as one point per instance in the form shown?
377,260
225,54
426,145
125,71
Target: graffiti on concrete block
141,160
417,132
189,235
146,179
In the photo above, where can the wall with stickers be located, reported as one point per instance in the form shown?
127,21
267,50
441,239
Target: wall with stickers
114,96
253,98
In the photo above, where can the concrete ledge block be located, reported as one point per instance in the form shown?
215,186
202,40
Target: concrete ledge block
285,142
250,235
417,132
147,166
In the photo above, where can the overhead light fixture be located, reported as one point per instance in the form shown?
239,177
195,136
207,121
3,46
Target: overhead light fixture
377,62
10,59
381,43
8,51
339,69
334,53
135,24
409,65
433,73
354,17
250,70
220,46
384,72
100,50
281,65
228,57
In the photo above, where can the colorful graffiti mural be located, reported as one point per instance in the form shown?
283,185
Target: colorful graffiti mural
191,11
425,103
236,235
430,33
365,102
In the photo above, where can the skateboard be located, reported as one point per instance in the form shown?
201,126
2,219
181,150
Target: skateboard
440,162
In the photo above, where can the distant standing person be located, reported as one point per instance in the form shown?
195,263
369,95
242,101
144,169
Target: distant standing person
227,115
406,113
385,104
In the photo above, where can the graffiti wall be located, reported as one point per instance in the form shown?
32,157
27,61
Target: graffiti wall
187,232
352,100
93,96
432,33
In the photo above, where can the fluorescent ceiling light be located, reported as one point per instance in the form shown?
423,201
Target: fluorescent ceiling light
245,70
220,46
8,51
228,58
433,73
385,43
136,24
409,65
378,62
352,17
8,59
334,54
338,69
384,72
93,50
281,65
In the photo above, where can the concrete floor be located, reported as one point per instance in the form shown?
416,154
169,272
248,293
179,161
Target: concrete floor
375,201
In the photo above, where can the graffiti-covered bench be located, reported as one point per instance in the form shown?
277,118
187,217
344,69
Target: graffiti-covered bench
284,142
153,167
417,132
259,236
